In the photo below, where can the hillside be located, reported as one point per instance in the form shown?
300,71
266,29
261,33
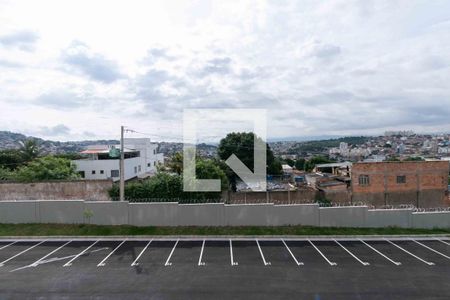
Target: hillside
11,140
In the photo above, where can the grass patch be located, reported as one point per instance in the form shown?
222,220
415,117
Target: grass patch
100,230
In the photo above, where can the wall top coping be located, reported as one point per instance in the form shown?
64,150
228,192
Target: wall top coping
430,212
392,209
361,206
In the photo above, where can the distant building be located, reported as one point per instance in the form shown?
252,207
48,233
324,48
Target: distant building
287,169
421,183
102,162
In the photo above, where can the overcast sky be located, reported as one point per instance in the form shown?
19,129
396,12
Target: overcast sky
73,70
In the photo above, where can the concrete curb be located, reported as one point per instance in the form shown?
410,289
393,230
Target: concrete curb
226,237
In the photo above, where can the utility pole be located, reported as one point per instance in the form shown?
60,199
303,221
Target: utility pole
122,165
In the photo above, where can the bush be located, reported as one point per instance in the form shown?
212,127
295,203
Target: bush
46,168
163,187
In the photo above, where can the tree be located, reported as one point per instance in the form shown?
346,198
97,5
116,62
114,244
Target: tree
5,174
290,162
241,144
11,159
208,169
166,187
275,167
46,168
176,163
29,149
414,158
300,164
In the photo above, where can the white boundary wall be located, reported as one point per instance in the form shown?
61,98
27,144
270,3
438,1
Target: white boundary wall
216,214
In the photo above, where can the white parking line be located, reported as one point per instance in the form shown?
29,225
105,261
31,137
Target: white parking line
330,262
299,263
69,263
52,260
20,253
135,263
364,263
168,263
266,263
392,261
200,262
102,263
429,248
36,263
8,245
233,263
413,255
442,241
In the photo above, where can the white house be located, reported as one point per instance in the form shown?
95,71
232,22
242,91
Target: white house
141,160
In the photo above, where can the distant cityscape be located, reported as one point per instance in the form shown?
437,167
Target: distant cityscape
392,145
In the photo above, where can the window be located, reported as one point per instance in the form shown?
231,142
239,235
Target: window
93,172
81,173
102,172
154,151
135,170
149,164
364,180
154,163
401,179
115,173
139,169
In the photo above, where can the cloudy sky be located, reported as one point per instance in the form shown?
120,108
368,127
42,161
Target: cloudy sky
73,70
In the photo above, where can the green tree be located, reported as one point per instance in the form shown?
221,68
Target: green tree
167,187
290,162
29,149
46,168
5,174
208,169
241,144
176,163
414,158
300,164
275,167
11,159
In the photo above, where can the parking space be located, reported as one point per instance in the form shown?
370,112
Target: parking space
232,252
143,263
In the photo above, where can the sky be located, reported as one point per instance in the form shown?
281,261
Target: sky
76,70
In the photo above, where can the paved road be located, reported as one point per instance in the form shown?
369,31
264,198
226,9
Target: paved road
224,269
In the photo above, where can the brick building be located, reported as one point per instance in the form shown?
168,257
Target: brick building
420,183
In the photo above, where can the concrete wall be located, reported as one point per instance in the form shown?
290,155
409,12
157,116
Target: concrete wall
54,190
215,214
52,211
389,217
431,220
352,216
106,213
19,212
200,215
153,214
298,214
300,196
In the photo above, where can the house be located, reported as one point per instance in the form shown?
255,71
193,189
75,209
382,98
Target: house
420,183
103,161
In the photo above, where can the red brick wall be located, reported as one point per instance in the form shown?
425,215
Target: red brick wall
426,183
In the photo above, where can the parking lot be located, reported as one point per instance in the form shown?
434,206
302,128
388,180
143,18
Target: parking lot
265,268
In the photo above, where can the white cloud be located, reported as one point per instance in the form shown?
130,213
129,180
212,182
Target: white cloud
335,67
